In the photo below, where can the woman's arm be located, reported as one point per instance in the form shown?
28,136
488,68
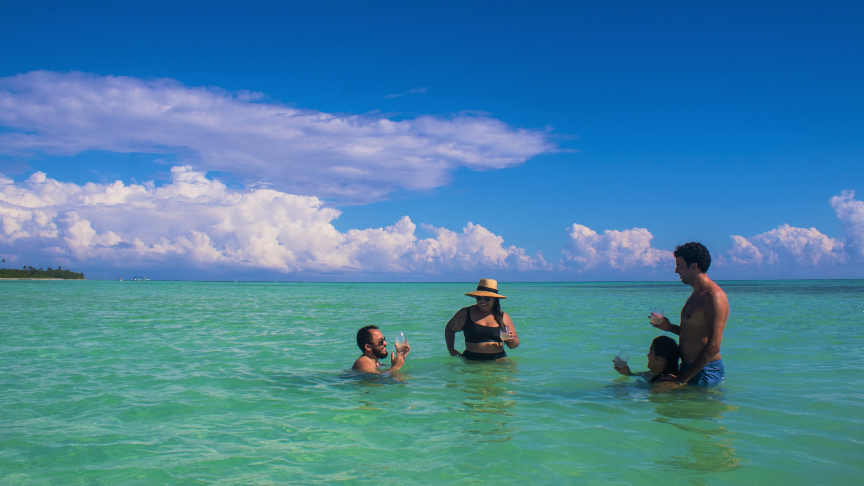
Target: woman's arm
513,342
450,330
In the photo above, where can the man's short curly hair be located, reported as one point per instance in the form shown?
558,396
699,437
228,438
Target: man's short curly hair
364,336
694,253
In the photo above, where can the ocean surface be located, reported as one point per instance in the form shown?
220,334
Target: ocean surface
151,383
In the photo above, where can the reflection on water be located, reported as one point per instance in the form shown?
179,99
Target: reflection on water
367,405
312,385
488,398
365,383
308,380
697,412
374,379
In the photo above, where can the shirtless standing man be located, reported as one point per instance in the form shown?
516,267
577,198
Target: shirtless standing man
703,318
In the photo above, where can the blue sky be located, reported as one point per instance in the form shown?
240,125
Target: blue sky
663,123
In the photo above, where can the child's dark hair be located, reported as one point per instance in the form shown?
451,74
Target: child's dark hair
666,348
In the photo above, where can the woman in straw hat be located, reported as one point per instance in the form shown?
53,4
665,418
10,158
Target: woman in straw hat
486,328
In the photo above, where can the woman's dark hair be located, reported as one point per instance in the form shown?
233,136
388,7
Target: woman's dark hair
666,348
497,312
694,252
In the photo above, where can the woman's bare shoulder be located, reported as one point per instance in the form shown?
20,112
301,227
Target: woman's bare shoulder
458,319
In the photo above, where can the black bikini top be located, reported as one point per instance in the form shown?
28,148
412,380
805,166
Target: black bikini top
475,333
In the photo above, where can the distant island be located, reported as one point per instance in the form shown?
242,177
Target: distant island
30,272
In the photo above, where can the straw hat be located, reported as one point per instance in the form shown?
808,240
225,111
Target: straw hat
486,288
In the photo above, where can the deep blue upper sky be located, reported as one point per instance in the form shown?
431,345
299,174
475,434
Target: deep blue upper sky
695,120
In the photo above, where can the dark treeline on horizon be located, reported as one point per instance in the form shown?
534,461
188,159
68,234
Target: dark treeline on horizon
30,272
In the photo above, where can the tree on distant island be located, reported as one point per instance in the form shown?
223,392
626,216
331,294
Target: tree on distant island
30,272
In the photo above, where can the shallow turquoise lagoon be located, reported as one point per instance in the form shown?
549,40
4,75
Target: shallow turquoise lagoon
245,383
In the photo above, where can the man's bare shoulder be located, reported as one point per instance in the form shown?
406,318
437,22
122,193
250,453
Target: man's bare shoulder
713,292
714,299
710,290
363,363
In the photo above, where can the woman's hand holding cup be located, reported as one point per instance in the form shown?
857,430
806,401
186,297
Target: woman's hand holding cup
505,334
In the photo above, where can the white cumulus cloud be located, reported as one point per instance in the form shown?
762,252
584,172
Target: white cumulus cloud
195,221
355,158
787,245
804,247
851,213
743,252
620,250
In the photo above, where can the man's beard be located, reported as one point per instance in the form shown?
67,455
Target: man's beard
382,354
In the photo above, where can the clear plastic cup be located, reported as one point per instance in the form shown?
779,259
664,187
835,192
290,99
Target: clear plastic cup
656,315
505,334
621,359
400,341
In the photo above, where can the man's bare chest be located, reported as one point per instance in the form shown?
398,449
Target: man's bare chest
693,312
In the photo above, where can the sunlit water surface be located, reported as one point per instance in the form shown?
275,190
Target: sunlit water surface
246,383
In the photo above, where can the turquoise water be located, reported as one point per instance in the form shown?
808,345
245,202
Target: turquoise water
246,383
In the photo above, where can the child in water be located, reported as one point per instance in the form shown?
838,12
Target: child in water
662,361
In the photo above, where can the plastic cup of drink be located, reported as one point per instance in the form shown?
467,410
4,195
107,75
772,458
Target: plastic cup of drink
656,315
400,341
621,359
505,334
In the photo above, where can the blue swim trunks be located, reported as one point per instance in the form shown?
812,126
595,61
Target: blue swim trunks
711,374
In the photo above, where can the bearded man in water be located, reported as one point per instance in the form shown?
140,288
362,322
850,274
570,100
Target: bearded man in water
703,318
374,347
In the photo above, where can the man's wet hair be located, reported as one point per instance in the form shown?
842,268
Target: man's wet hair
694,253
364,336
